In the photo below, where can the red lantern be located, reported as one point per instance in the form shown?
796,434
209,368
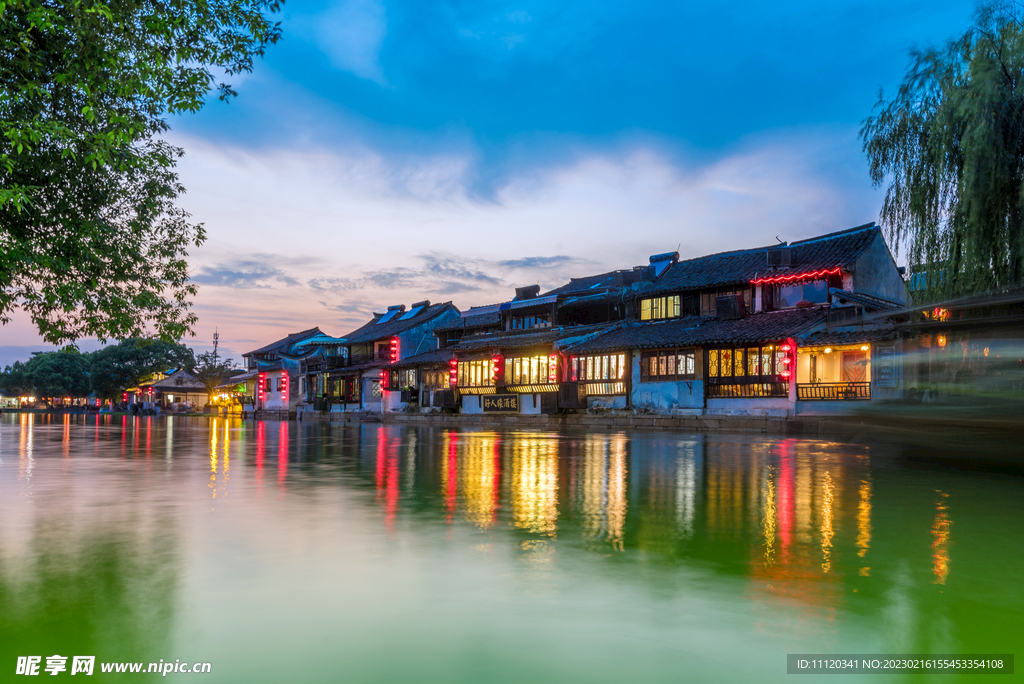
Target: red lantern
497,370
788,361
453,372
261,389
384,379
394,350
553,368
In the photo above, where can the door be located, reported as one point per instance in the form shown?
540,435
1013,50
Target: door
855,366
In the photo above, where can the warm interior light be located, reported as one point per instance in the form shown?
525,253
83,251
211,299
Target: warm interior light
942,340
863,347
986,351
828,350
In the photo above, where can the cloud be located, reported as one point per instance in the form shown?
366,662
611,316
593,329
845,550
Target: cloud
450,288
541,262
459,268
334,284
253,271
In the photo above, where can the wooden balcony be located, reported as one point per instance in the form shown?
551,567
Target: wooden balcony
834,391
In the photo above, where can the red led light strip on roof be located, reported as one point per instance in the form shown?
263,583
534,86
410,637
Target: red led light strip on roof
796,276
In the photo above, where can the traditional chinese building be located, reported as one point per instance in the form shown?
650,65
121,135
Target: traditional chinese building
273,371
363,378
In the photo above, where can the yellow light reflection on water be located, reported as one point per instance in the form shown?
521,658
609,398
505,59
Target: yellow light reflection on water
479,476
769,525
940,540
534,484
602,488
827,518
213,459
864,524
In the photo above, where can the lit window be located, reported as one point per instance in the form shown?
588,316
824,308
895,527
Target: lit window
667,364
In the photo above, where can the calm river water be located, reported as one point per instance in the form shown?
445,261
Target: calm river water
291,552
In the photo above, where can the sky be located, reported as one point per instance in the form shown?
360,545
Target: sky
388,152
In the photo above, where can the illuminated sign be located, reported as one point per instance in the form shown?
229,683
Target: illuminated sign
500,403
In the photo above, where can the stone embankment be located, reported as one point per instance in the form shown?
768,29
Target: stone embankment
798,425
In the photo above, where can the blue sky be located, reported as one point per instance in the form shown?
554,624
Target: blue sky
386,152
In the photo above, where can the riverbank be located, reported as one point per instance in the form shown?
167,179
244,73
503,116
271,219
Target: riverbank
773,425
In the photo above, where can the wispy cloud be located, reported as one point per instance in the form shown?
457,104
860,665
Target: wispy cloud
541,262
243,274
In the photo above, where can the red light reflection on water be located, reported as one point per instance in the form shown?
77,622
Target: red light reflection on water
282,454
452,475
387,472
261,446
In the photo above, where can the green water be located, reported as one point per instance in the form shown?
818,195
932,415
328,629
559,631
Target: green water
287,552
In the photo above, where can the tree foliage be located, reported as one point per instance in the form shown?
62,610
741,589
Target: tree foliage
62,373
950,145
14,381
91,240
210,371
117,367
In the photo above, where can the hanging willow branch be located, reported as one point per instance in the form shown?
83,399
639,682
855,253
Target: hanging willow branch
950,145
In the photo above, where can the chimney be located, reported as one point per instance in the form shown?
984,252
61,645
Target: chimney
528,292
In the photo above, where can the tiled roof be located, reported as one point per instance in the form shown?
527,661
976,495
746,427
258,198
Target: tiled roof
743,266
371,331
188,382
284,344
867,301
437,357
579,285
477,322
698,330
529,338
849,337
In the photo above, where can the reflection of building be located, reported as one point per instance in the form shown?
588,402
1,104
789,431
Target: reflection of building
479,476
601,488
534,483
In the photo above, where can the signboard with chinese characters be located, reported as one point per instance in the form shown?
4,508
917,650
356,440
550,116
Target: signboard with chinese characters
884,367
501,403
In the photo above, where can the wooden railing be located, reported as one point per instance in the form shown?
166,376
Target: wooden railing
832,391
747,390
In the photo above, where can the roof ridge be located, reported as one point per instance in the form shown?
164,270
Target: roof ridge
826,236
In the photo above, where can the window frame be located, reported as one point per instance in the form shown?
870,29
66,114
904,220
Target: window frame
662,359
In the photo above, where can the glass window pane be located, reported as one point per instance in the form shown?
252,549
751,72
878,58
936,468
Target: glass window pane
622,367
645,310
671,358
713,363
614,366
740,369
816,292
661,364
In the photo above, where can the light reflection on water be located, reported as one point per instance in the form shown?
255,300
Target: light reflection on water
271,549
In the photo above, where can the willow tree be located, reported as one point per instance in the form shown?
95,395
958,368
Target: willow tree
950,146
